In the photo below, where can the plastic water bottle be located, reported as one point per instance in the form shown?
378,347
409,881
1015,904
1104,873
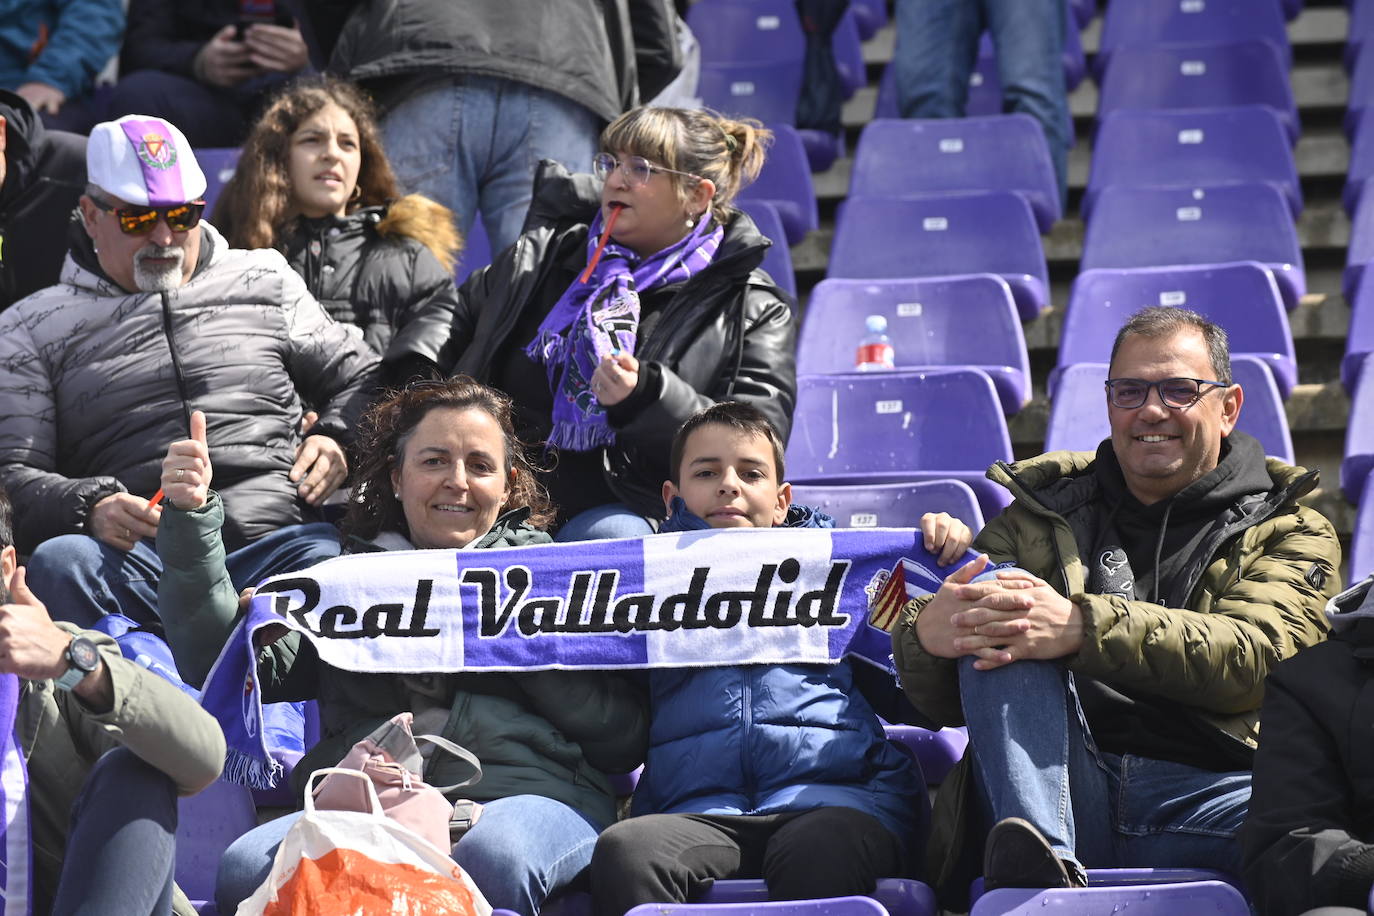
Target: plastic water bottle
875,349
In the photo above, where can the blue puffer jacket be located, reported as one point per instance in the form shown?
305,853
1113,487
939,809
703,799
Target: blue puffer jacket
764,739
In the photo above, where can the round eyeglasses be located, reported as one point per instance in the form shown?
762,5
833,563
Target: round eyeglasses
1178,393
636,169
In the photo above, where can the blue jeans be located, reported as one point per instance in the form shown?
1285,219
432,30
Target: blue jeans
472,143
121,846
1034,758
523,849
81,580
937,47
602,523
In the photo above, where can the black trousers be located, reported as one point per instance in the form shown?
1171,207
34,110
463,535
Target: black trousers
672,858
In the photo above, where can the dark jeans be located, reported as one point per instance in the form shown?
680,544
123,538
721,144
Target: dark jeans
81,580
671,858
207,115
121,847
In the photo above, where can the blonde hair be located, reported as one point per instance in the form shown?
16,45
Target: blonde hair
701,142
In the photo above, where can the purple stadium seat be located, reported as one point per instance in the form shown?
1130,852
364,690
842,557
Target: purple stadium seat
476,252
1212,146
1078,413
870,16
785,182
1360,170
984,92
1360,28
207,824
849,53
891,505
1361,92
996,153
900,426
1241,297
1360,252
896,896
1136,877
830,906
766,90
927,321
1075,61
1359,436
1165,227
733,32
941,235
1150,23
1083,11
218,164
936,751
1362,543
1359,341
1211,897
777,260
1200,76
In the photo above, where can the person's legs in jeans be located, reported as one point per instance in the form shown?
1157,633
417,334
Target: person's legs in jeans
1029,38
1173,815
525,848
81,580
121,848
672,858
530,124
424,137
1033,757
206,115
830,852
285,550
602,523
937,44
248,861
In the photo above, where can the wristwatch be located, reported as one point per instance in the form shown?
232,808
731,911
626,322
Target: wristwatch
82,658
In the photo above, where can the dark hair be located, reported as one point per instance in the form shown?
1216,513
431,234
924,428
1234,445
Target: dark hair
697,141
254,209
737,415
1158,321
382,436
6,521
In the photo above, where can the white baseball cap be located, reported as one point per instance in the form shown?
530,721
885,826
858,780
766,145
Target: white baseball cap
143,160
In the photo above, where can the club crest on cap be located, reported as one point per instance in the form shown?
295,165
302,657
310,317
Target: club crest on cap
156,151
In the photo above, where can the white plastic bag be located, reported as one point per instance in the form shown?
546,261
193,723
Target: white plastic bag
350,863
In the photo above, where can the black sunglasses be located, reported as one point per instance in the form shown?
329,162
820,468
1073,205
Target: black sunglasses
141,220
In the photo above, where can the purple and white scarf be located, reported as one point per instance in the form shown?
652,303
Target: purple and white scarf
16,868
600,318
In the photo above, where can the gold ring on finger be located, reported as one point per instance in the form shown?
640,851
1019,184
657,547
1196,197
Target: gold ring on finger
181,472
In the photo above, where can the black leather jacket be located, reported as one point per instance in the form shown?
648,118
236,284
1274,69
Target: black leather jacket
726,334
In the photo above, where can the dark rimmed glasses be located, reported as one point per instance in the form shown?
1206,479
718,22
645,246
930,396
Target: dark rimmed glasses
637,169
141,220
1178,393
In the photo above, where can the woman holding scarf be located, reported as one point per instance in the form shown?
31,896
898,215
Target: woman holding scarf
633,299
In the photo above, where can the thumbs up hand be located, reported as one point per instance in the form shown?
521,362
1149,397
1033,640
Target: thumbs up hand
186,470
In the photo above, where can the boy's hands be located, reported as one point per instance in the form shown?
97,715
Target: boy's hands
945,536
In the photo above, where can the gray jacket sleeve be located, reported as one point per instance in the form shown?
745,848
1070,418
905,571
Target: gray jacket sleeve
46,503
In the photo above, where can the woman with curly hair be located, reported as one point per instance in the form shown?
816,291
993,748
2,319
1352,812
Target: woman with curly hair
439,467
314,183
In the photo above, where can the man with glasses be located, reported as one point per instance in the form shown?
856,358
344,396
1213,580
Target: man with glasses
156,316
1110,669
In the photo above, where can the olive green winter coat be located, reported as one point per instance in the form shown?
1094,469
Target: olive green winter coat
1256,598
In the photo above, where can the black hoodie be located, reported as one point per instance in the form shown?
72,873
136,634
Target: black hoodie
45,173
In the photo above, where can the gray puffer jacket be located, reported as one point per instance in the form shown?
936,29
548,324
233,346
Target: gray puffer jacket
549,733
96,381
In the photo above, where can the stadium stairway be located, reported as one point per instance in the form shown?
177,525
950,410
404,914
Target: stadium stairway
1318,409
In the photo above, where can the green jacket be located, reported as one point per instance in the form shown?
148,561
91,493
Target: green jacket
549,733
1256,596
62,740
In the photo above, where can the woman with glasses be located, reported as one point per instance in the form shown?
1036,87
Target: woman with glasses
633,299
314,183
439,468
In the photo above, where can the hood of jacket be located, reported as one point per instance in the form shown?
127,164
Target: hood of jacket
25,140
1352,612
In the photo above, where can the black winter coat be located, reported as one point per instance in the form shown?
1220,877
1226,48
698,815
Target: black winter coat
725,334
45,174
387,284
1309,838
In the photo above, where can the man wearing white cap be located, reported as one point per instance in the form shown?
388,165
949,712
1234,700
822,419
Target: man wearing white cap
155,316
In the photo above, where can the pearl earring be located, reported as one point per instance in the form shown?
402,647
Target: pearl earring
691,222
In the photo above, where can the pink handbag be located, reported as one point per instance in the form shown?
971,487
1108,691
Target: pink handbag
391,759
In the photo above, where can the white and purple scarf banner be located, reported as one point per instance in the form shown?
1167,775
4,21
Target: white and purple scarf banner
16,869
694,599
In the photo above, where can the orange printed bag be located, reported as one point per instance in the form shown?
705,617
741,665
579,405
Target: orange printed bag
340,863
